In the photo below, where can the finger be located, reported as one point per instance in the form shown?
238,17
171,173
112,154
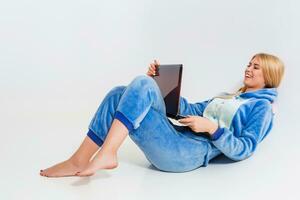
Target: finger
152,66
193,129
151,73
152,69
182,122
156,62
185,120
187,124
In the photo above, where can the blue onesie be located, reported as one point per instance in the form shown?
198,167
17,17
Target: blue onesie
243,122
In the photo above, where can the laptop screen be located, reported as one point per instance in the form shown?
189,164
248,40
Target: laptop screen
168,78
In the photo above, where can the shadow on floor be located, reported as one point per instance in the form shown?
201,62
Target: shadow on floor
221,159
86,180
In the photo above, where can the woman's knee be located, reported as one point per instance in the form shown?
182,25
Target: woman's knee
148,85
143,81
114,95
117,89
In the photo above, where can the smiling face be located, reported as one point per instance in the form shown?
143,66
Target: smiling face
254,78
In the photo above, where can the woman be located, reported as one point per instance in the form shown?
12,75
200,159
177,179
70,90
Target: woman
235,123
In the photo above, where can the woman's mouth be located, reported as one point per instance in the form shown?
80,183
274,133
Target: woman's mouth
248,76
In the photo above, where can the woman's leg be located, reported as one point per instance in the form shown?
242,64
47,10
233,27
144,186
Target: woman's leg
164,147
79,160
142,110
140,95
106,158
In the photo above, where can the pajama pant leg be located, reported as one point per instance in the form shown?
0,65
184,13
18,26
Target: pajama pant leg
141,108
104,116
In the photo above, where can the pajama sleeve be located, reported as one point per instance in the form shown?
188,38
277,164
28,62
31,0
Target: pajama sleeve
257,127
187,108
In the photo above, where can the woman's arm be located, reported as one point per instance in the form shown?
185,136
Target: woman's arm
187,108
258,125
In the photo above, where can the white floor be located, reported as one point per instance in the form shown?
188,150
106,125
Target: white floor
35,138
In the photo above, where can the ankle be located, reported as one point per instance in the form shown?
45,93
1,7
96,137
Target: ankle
78,162
109,153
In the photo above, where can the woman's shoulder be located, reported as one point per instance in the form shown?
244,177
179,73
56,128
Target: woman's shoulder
258,106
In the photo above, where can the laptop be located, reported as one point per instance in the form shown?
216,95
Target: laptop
168,78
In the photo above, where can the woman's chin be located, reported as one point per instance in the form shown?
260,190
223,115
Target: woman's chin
246,83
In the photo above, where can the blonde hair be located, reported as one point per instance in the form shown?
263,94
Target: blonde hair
273,71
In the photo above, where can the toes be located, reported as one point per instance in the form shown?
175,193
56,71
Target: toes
43,173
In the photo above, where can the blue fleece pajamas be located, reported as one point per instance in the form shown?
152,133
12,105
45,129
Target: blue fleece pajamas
141,108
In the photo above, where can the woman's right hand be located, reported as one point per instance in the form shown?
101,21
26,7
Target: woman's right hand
152,68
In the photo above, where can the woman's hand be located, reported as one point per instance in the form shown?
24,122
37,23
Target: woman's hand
152,68
199,124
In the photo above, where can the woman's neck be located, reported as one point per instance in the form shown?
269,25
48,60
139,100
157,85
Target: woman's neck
252,89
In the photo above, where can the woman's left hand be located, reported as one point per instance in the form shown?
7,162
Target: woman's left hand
199,124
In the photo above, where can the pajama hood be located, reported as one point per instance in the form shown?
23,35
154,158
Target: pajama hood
269,94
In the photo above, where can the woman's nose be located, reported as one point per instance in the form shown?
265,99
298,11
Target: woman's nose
248,69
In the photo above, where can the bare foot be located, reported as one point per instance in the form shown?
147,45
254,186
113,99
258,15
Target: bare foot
65,168
100,161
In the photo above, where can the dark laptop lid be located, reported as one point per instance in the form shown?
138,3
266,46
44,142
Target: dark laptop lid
168,78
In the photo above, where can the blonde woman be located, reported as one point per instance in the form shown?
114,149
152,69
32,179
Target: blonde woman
235,124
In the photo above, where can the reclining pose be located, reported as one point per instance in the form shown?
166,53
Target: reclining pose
236,124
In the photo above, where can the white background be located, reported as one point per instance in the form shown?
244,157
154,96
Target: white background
59,58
